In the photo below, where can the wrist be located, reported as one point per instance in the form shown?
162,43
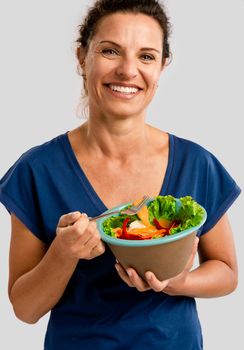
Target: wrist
60,255
180,284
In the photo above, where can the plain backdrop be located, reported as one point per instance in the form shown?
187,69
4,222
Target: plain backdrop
200,97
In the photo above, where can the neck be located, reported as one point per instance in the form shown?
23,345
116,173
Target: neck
120,140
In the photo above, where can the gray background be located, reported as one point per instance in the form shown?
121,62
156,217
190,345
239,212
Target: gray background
200,98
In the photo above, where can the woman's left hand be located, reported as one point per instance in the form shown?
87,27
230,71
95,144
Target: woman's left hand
172,286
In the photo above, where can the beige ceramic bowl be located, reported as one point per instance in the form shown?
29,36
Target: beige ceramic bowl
166,256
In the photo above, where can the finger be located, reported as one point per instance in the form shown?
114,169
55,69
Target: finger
140,284
154,283
69,219
84,231
88,249
74,231
123,275
191,259
99,249
90,240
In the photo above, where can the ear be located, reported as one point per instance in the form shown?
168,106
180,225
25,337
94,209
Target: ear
81,55
166,61
164,64
162,67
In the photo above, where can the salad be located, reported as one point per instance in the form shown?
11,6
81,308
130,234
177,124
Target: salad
163,216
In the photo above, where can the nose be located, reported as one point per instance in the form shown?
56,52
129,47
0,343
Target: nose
127,68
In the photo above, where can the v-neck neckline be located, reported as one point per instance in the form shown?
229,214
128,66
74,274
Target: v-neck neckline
96,200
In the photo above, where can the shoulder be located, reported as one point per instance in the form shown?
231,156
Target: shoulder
195,160
45,152
189,145
44,155
188,149
181,145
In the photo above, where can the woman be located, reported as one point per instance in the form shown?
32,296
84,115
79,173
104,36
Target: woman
57,259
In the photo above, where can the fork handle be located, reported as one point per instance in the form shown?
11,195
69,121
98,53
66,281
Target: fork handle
103,215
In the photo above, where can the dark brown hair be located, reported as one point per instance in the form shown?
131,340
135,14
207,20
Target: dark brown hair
103,8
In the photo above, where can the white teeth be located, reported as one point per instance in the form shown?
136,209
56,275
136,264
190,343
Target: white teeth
123,89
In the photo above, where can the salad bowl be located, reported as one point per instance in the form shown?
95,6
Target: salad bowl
165,256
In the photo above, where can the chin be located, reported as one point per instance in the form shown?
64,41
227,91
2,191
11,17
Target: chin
122,114
124,111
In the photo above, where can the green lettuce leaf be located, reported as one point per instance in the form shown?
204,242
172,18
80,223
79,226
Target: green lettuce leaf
187,211
116,221
162,207
190,214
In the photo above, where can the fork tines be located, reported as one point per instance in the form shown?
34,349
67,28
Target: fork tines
137,207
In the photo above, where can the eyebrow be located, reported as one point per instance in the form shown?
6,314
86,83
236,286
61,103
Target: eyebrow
114,43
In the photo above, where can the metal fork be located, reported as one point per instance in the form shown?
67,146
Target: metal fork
129,211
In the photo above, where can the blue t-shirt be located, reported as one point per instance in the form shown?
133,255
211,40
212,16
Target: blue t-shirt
98,310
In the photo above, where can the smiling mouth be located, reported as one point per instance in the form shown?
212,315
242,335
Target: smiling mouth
126,90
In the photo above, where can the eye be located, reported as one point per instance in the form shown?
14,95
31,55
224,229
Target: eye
109,52
147,57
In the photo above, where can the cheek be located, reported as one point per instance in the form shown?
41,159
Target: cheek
96,69
153,84
152,78
93,75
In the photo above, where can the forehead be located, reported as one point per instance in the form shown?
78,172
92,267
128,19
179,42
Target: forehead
129,28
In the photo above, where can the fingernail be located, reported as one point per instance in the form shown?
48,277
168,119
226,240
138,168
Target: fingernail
84,214
129,273
117,267
148,276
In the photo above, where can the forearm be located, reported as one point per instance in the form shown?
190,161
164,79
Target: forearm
212,278
37,291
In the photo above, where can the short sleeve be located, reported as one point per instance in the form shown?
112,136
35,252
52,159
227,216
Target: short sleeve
18,195
221,191
196,172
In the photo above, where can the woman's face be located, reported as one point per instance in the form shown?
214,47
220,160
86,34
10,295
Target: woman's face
123,64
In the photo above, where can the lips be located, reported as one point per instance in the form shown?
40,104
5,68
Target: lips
124,88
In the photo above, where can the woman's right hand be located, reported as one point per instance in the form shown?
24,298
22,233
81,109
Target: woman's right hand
78,238
39,274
